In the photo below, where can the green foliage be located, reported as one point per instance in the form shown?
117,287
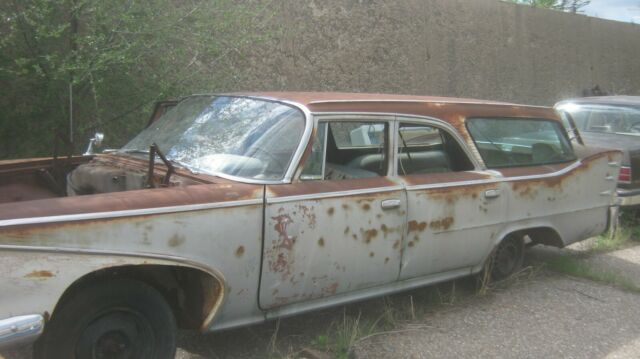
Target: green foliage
573,6
118,57
578,267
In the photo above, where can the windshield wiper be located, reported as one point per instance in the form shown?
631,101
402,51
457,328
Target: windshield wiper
146,152
153,151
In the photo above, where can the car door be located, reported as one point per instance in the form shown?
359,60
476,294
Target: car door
339,228
454,211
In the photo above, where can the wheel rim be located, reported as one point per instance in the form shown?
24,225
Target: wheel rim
116,334
507,257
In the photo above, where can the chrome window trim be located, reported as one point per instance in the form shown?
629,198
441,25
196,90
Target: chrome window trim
127,213
445,126
388,118
322,195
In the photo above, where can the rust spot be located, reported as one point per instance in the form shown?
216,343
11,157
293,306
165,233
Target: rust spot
345,207
371,254
410,244
282,222
355,237
330,211
370,234
39,274
309,214
321,242
396,244
346,230
176,240
331,289
386,259
366,206
414,226
441,224
240,251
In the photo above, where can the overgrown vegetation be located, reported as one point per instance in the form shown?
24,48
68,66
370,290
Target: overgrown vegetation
102,64
628,231
574,6
578,267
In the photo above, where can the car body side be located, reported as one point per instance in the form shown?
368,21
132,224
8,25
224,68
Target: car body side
256,251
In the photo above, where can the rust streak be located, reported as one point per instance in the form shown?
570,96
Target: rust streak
39,274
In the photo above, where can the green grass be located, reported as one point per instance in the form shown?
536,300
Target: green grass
628,232
578,267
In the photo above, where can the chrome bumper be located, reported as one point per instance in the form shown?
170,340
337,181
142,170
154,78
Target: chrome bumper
20,330
627,198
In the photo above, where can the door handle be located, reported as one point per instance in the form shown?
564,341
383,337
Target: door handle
492,193
390,203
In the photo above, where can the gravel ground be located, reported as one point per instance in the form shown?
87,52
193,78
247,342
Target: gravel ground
546,316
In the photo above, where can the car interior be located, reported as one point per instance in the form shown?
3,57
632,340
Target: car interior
435,153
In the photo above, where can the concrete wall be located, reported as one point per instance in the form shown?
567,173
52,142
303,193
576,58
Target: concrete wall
465,48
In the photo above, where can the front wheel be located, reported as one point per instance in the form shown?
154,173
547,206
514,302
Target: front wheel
507,258
115,319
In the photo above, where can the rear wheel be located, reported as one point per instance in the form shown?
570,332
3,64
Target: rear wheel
117,319
507,258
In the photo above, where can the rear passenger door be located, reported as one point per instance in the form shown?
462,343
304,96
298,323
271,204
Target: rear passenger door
339,228
454,211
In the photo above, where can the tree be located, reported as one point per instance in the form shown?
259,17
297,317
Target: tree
104,63
573,6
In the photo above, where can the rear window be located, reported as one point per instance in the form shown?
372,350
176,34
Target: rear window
509,142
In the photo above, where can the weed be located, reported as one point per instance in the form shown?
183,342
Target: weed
579,268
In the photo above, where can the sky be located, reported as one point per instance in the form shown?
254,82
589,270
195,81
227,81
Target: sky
621,10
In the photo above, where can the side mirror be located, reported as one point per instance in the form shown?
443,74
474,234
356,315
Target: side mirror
96,142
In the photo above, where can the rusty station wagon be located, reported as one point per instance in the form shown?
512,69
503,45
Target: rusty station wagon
234,209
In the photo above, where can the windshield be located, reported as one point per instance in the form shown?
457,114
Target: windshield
602,118
235,136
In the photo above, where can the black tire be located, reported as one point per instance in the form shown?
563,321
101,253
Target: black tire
507,257
119,318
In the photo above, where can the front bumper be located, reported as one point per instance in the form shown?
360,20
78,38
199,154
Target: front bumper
628,197
20,330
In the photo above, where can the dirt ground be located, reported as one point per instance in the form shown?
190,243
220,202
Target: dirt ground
540,315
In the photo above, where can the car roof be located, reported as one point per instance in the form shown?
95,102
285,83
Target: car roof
605,100
312,98
453,110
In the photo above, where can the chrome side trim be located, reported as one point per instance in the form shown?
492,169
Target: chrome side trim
22,329
495,180
127,213
333,194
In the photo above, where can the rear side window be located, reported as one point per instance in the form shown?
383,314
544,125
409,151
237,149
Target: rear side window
508,142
